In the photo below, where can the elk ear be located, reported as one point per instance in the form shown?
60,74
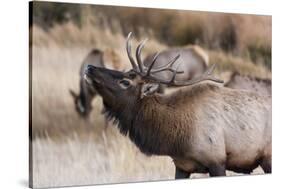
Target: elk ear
148,89
73,94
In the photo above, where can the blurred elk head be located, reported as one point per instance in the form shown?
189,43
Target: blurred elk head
82,104
87,93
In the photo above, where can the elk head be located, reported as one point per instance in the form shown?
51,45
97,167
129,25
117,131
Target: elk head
120,90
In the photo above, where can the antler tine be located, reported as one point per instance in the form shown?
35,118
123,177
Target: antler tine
211,69
205,76
153,62
168,67
128,48
138,55
174,74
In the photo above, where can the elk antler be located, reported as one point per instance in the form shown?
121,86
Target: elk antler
207,75
147,73
139,68
167,67
128,48
138,55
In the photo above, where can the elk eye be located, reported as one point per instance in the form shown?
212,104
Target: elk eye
125,83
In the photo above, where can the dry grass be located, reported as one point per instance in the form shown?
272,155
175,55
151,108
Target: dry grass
228,63
68,150
97,158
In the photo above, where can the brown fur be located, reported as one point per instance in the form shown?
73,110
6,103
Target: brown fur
204,127
184,105
258,85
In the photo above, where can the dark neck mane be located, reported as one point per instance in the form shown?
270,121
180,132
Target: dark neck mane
157,125
152,127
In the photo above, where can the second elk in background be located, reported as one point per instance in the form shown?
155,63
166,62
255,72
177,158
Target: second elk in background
84,99
193,62
258,85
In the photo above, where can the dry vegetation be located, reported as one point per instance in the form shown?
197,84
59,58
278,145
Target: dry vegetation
68,150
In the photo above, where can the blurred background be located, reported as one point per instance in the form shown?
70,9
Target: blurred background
69,150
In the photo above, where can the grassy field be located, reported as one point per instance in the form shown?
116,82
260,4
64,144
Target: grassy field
68,150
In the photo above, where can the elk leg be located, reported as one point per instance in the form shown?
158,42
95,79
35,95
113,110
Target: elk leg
266,165
181,174
217,170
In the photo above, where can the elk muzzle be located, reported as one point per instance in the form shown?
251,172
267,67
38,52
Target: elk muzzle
92,75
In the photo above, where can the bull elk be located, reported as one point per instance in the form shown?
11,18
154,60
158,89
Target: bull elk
204,127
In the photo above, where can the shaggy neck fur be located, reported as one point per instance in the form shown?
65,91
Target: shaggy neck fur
160,125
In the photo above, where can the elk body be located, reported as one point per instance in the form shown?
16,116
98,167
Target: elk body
87,93
260,86
204,127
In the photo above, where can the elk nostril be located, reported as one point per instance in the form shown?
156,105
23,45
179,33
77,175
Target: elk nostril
90,68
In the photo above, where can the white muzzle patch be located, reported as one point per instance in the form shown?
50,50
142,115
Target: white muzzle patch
88,80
